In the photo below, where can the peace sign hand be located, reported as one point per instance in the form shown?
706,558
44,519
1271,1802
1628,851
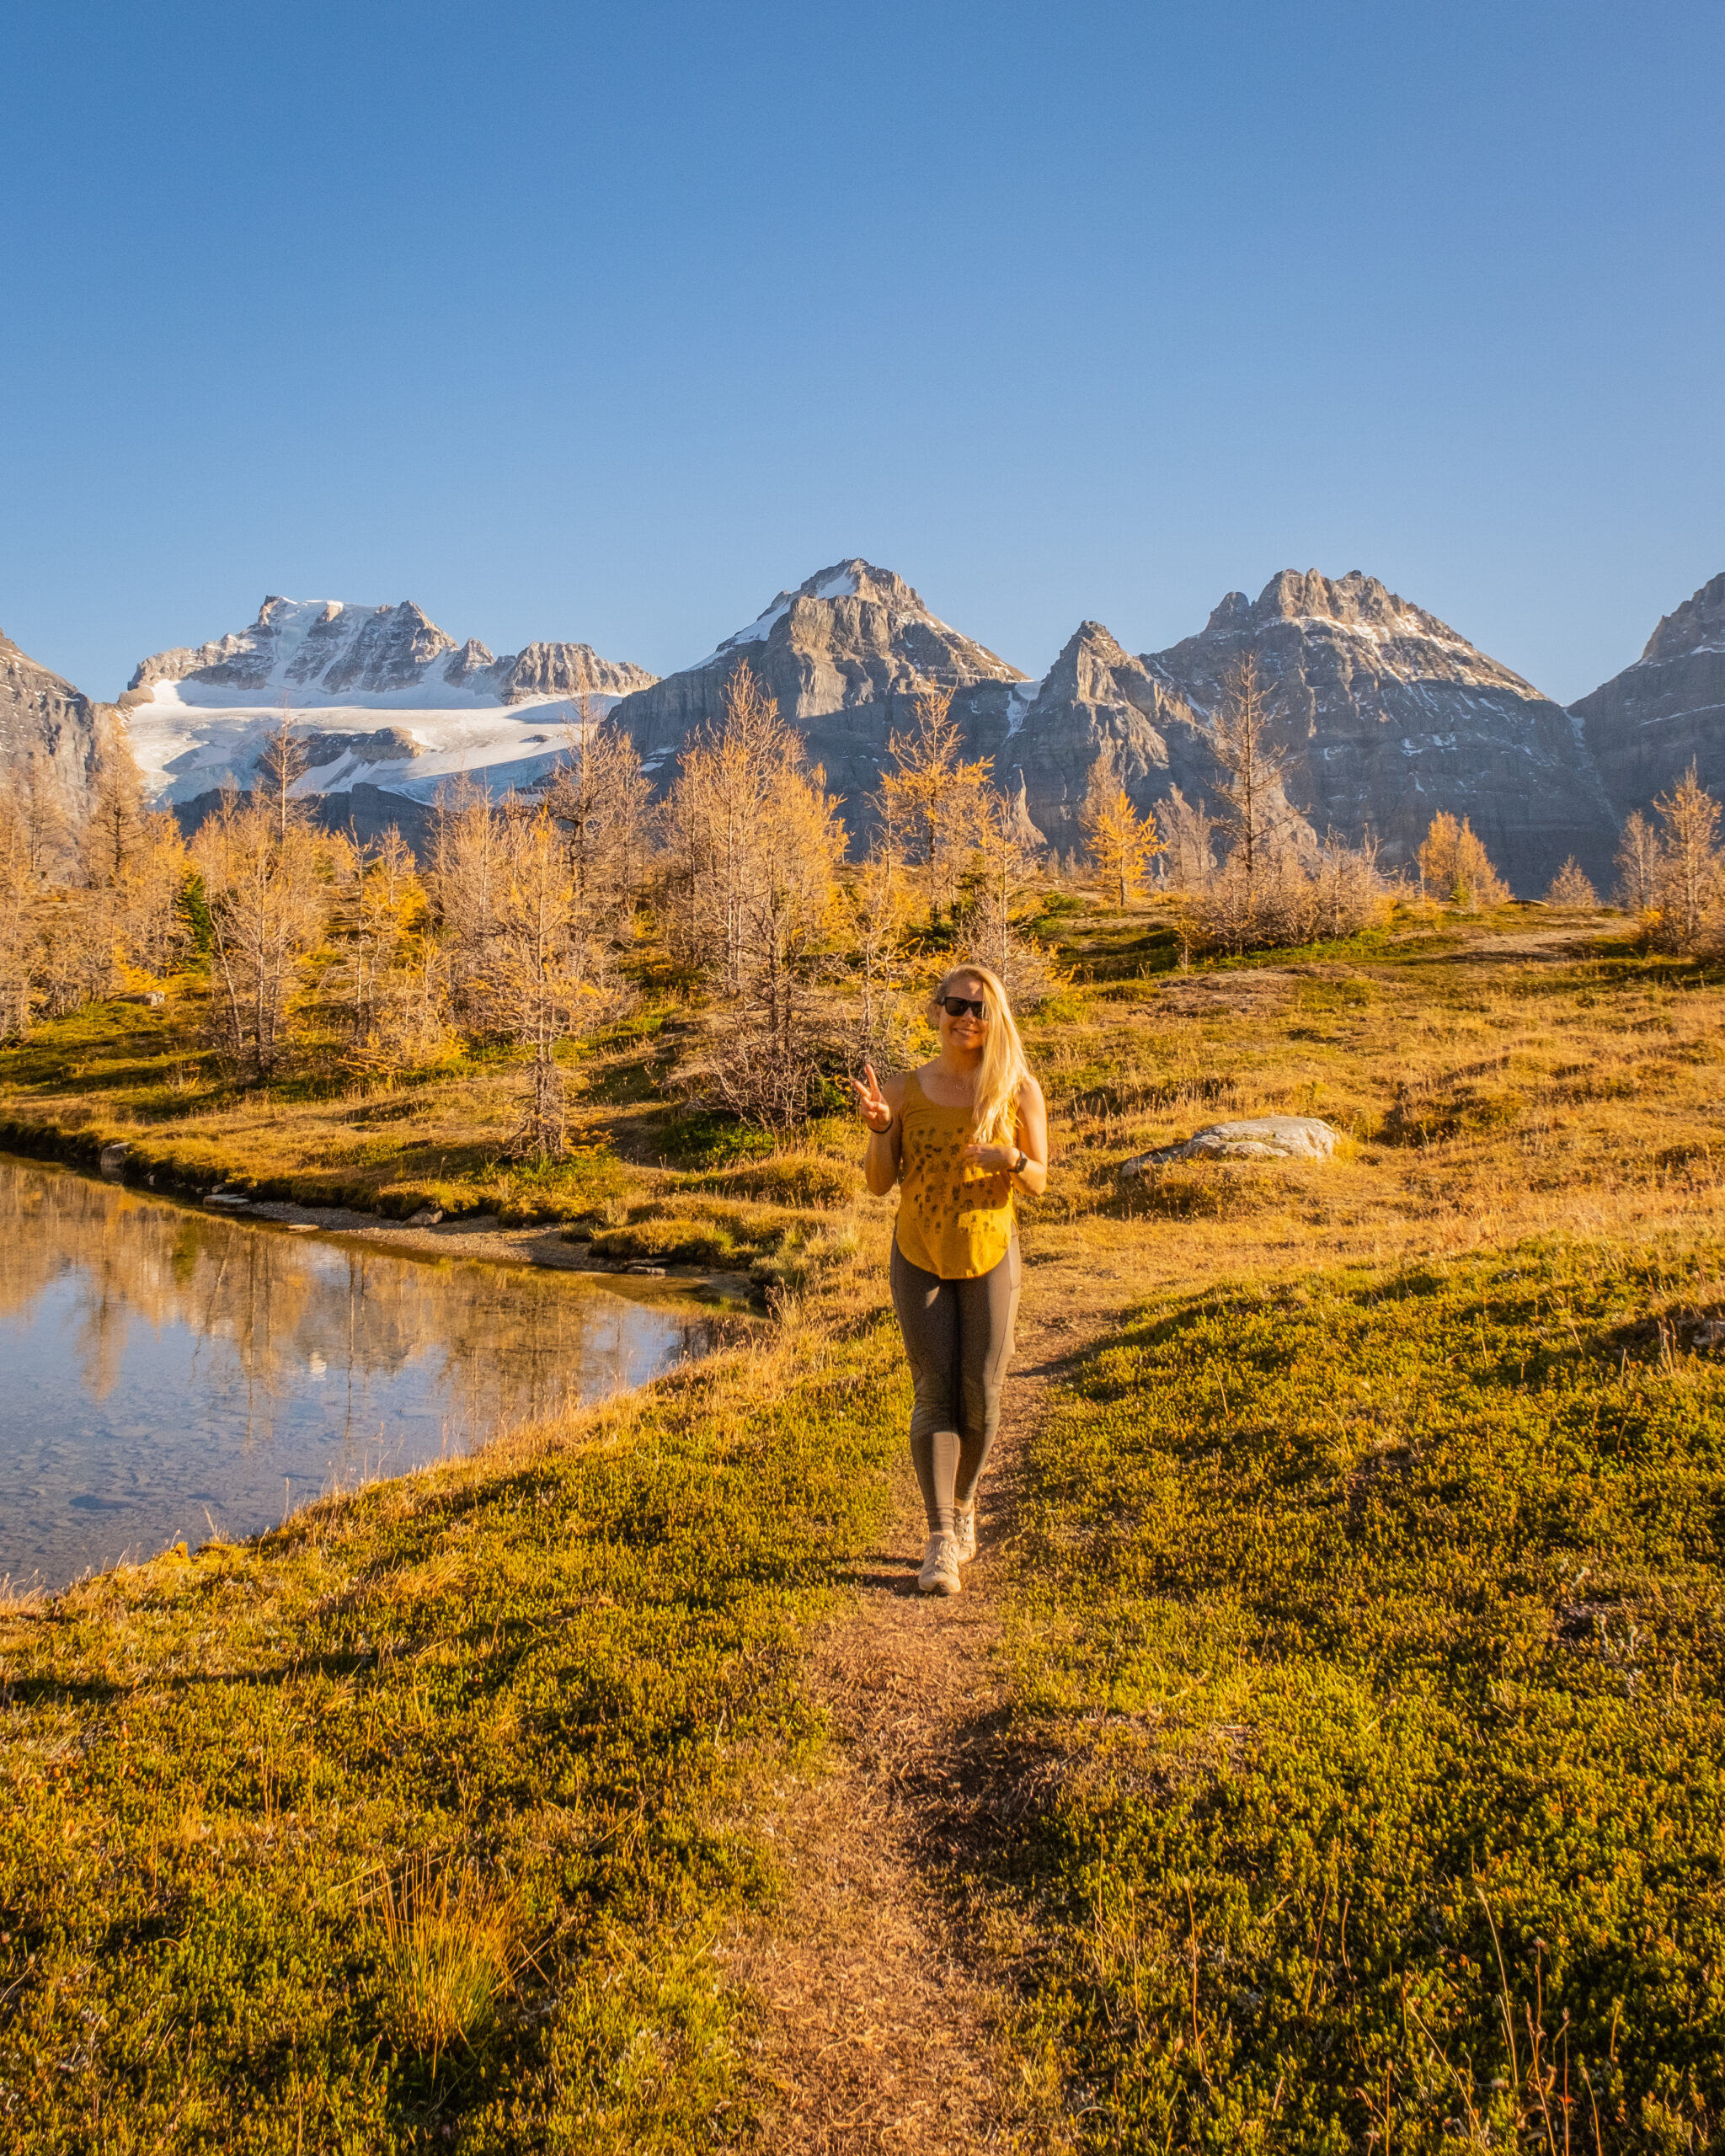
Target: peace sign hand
871,1103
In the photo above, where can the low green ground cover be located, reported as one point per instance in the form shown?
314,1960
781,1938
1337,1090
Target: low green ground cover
1374,1629
411,1824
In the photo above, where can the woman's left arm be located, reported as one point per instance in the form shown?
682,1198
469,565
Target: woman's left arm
1033,1138
1031,1143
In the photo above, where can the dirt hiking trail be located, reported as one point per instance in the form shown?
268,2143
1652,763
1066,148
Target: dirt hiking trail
880,2013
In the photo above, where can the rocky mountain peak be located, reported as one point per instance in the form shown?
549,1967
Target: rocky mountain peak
1698,625
1091,666
42,714
842,654
1387,715
1231,611
1645,725
855,605
857,578
1355,600
1356,614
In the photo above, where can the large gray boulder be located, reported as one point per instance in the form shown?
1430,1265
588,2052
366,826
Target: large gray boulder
1252,1138
1645,725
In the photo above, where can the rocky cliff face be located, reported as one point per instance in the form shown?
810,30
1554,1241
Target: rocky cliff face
1389,715
1647,724
308,652
1095,700
844,654
39,711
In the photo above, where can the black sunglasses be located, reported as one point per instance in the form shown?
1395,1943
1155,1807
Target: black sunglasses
955,1006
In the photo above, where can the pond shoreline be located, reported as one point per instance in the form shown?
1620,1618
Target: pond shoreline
162,1362
480,1237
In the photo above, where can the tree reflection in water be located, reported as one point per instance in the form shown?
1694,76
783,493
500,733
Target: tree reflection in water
168,1368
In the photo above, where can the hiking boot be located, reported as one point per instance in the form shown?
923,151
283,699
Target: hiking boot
940,1567
965,1532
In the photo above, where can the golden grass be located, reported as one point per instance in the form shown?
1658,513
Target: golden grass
1491,1091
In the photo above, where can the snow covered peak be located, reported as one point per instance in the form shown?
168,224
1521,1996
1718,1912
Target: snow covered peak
857,580
326,654
198,717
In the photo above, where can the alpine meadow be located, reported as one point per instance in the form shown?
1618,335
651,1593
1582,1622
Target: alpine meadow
1328,1750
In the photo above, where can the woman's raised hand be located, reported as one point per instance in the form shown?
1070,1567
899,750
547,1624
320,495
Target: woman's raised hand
871,1103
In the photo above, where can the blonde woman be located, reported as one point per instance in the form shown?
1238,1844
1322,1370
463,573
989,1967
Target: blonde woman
958,1136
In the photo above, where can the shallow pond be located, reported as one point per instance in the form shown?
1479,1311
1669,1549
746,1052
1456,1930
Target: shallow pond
169,1376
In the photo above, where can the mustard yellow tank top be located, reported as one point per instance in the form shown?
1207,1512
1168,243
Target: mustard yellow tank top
954,1220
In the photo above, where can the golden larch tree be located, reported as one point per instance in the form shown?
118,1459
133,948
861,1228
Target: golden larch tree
1121,843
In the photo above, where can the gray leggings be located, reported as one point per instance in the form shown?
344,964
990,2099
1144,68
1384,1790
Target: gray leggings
958,1340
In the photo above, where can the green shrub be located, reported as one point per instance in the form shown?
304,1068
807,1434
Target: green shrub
565,1189
1069,1007
695,1231
704,1140
777,1248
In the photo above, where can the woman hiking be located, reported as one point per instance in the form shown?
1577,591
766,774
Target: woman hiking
958,1136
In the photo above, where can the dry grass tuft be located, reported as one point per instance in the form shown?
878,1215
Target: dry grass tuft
447,1949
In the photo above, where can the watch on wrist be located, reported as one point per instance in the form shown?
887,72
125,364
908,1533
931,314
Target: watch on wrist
1021,1163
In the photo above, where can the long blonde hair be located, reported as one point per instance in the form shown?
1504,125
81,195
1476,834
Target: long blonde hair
1004,1065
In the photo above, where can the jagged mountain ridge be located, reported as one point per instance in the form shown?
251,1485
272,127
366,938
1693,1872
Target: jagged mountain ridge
1645,725
200,715
1095,700
1387,714
326,652
1390,715
41,711
844,654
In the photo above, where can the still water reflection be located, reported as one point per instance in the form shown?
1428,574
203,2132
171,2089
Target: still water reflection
165,1372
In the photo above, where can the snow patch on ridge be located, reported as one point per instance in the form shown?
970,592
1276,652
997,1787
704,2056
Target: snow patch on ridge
1020,697
183,750
758,630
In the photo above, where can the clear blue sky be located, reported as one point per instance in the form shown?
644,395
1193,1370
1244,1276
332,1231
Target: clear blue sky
607,322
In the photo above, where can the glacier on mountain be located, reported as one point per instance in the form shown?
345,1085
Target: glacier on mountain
198,717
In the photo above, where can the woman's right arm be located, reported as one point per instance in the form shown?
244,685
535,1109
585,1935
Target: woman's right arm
879,1106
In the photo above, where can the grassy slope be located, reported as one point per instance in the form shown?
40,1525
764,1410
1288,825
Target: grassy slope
1487,1103
646,1180
516,1702
1370,1611
1374,1566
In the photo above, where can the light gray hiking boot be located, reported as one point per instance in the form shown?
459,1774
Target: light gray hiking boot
940,1567
965,1532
